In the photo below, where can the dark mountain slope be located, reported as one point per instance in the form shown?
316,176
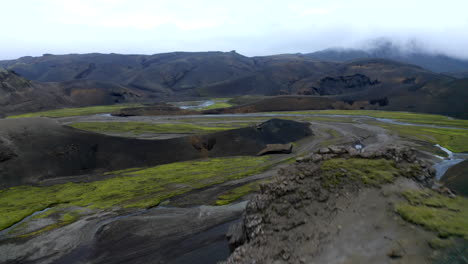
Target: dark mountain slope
18,95
91,79
161,73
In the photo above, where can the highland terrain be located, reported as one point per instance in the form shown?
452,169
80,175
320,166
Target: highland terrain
207,157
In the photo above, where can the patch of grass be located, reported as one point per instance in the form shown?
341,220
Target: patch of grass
145,127
407,117
455,140
368,171
138,187
438,243
239,192
335,137
444,215
46,213
66,219
216,105
91,110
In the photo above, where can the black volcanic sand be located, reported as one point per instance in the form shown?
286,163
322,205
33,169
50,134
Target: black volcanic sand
37,149
456,178
160,235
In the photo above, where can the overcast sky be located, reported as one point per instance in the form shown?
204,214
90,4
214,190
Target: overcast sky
252,27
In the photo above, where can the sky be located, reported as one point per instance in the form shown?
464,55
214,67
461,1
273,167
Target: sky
251,27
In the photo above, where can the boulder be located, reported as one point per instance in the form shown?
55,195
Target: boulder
337,149
276,148
324,150
236,235
6,152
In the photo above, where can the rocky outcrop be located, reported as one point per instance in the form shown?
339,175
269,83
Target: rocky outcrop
276,148
398,154
342,84
6,151
295,210
456,178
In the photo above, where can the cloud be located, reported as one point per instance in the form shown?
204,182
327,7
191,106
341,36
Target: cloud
257,27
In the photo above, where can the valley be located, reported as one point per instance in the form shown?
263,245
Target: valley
247,132
207,157
82,212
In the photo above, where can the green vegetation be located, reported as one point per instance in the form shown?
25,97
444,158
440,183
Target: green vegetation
216,105
368,171
455,140
145,127
66,219
438,243
91,110
447,216
406,117
335,137
239,192
139,187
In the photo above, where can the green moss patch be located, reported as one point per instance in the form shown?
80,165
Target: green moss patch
217,105
145,127
238,192
368,171
438,243
66,219
335,137
447,216
91,110
455,140
139,187
407,117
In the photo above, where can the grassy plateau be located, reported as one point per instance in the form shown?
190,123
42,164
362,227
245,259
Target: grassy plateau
145,127
415,118
368,171
91,110
455,140
447,216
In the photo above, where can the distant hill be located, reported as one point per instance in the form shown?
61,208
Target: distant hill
91,79
387,50
19,95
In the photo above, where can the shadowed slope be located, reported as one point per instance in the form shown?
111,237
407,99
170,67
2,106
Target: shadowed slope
36,149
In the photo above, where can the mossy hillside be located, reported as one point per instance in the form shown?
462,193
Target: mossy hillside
139,187
367,171
444,215
416,118
238,192
91,110
455,140
145,127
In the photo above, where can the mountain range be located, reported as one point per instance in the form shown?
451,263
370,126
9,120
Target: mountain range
55,81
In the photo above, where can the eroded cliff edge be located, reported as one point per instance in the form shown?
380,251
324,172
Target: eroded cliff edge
343,206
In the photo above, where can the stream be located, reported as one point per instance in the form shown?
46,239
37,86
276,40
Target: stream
452,160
